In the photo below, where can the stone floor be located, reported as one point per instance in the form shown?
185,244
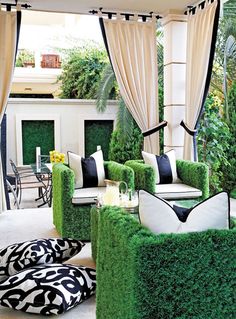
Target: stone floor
31,222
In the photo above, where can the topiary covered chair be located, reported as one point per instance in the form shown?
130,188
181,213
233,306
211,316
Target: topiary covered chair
194,180
73,220
141,275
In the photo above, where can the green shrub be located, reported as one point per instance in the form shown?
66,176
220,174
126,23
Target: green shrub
82,71
122,150
24,56
229,173
214,142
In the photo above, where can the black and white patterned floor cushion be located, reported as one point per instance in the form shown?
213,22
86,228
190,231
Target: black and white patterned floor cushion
48,289
26,254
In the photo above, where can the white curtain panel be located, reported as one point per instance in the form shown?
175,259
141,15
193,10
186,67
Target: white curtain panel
199,38
8,31
133,51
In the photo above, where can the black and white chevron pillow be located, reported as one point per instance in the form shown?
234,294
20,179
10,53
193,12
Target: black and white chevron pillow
89,172
164,166
160,217
17,257
48,289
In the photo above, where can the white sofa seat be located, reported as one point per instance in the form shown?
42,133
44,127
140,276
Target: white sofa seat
177,191
87,195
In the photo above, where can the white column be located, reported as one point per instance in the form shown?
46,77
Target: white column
175,37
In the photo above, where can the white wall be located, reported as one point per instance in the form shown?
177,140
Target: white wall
69,117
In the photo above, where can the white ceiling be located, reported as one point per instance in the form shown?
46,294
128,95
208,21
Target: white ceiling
84,6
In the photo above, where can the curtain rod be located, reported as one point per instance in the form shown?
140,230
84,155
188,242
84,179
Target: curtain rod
127,15
192,8
9,5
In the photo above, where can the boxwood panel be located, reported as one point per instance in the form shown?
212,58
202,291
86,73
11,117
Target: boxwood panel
36,133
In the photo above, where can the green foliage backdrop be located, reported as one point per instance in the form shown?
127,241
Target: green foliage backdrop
213,142
36,133
217,132
122,149
98,133
229,172
82,70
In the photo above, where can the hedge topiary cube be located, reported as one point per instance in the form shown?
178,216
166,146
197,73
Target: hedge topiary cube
141,275
191,173
74,220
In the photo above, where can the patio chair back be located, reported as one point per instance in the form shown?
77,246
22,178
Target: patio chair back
24,178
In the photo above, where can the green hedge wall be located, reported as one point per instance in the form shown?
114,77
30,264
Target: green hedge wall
97,133
179,276
37,133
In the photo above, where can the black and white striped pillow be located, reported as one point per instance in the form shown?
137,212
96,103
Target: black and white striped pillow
164,166
89,172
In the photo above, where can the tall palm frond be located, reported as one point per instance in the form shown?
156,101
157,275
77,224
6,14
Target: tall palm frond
106,85
124,120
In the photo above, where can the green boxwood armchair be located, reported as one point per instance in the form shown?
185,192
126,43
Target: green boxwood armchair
73,220
141,275
191,174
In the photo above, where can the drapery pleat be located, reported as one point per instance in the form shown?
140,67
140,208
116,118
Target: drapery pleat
133,53
8,37
201,28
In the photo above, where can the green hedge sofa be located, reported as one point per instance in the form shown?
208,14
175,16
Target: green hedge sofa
74,220
191,173
141,275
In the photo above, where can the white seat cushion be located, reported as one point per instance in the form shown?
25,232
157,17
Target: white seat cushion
177,191
87,195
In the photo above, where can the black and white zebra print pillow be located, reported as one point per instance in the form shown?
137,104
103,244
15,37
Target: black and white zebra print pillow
17,257
48,289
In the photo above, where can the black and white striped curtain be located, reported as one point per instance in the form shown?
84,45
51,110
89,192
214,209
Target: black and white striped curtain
132,49
9,35
202,25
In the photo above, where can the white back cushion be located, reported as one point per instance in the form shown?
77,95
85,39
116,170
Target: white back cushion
159,216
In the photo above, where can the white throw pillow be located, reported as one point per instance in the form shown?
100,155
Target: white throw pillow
89,172
160,217
164,166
